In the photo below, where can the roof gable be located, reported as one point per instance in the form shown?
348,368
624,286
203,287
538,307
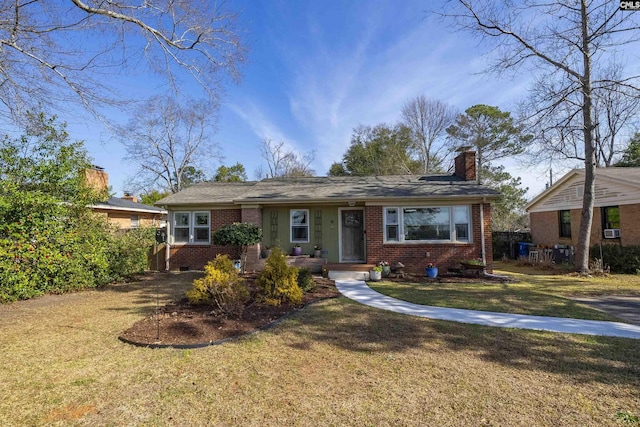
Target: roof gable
614,186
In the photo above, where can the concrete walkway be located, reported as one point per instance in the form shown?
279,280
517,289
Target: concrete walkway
358,290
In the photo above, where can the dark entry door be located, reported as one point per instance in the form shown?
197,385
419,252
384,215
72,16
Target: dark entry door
352,235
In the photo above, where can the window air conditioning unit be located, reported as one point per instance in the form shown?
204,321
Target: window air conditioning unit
611,233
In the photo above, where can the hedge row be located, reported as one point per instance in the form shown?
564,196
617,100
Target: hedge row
69,261
620,259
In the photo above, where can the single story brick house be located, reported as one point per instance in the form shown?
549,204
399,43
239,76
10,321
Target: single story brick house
413,219
555,213
123,212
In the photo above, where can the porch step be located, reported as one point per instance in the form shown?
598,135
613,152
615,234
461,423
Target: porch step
348,266
342,275
348,271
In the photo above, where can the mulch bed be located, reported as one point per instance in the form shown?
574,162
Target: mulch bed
182,324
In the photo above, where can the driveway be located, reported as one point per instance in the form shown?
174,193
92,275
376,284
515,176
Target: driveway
624,308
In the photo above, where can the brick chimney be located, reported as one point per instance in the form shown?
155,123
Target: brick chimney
97,178
465,165
130,197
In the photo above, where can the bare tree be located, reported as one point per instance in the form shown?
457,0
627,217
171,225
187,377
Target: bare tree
562,41
170,143
53,52
614,112
560,135
428,120
282,162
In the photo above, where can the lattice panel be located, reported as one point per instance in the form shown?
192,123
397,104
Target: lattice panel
318,227
274,226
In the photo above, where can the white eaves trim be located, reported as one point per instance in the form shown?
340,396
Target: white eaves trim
115,208
547,192
610,190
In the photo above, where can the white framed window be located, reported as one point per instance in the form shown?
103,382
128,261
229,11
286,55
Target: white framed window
391,231
299,220
426,224
201,227
461,223
135,221
181,227
432,224
191,227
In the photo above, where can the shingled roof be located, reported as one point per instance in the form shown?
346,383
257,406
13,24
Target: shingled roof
116,203
328,189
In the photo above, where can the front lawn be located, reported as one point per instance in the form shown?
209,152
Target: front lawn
334,363
536,292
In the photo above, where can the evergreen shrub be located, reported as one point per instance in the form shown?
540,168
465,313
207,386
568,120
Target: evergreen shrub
305,280
221,287
620,259
278,282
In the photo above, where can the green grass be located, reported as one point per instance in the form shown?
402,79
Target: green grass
563,283
536,292
334,363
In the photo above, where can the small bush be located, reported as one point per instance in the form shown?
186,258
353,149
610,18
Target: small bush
619,259
278,282
240,235
305,280
129,252
224,264
221,287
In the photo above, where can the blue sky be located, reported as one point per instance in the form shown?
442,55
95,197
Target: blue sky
316,70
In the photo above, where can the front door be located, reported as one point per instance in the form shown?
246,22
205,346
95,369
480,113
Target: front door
352,233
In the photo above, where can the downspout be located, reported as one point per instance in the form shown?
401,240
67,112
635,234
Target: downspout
167,252
482,242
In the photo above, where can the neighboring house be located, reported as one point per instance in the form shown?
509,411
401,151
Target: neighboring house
416,220
124,213
127,213
555,213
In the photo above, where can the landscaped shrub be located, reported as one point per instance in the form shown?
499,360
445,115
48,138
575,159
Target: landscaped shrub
129,252
49,257
278,282
50,240
305,280
224,264
221,287
239,234
620,259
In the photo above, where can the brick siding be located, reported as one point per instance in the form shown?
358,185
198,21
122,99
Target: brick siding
465,165
545,227
630,225
195,257
253,216
414,256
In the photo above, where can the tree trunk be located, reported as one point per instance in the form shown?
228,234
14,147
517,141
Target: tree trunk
586,219
244,250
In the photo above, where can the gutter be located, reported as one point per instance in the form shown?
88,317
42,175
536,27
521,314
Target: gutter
167,245
117,208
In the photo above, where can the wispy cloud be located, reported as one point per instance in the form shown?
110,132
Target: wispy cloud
364,75
368,81
263,127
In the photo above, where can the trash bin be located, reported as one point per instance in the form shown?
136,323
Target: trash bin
523,248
